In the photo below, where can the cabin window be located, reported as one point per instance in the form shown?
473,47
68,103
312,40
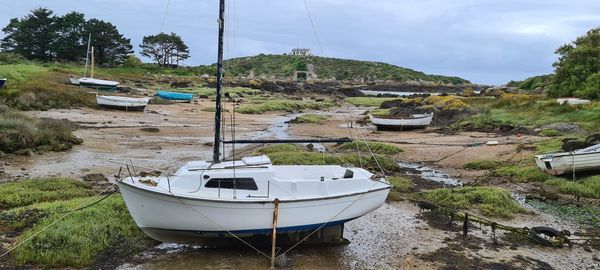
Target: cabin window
228,183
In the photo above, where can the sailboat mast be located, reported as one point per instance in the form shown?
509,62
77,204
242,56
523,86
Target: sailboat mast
87,56
217,143
92,67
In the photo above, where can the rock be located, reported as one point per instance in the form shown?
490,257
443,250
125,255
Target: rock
595,258
94,177
588,249
563,127
150,129
574,145
352,92
182,84
156,147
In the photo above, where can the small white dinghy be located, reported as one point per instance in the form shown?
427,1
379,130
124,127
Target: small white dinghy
402,122
587,159
96,83
122,103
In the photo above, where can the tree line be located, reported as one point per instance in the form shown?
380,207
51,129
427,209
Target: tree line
42,35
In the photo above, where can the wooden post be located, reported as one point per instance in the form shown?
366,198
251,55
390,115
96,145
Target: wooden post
273,244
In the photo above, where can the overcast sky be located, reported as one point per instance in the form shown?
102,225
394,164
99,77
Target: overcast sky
485,41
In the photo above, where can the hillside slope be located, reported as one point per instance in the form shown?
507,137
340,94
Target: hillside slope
283,66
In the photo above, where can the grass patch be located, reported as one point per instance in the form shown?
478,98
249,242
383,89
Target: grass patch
211,92
367,101
79,239
588,188
550,133
27,192
20,133
310,118
490,201
522,174
548,146
401,184
290,154
375,147
529,111
279,148
281,105
483,164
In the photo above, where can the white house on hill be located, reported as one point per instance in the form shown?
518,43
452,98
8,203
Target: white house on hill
301,52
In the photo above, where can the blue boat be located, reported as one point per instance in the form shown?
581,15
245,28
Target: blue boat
2,82
184,97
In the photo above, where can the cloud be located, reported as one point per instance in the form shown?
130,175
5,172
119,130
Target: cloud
485,41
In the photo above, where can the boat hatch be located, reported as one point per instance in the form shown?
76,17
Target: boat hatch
259,160
232,183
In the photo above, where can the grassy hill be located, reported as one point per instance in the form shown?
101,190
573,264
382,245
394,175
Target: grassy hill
532,83
282,66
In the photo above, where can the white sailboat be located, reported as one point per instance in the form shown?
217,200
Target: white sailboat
206,200
90,81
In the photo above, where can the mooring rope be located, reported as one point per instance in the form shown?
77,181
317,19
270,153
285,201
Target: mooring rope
314,27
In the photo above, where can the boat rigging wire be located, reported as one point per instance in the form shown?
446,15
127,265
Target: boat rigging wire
314,26
162,25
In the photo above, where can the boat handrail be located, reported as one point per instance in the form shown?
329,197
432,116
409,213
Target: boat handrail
166,175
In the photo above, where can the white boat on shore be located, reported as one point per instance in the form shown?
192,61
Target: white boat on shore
587,159
401,122
572,101
122,103
96,83
203,201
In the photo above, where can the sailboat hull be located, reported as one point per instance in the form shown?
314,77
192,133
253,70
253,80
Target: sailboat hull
167,218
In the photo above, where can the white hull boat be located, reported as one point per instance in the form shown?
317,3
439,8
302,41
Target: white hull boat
573,101
587,159
74,80
199,201
123,103
401,123
96,83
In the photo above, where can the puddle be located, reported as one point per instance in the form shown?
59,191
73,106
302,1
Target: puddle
431,174
585,215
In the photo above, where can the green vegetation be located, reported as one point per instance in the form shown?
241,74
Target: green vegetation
401,184
367,101
375,147
519,110
533,83
290,154
522,173
166,50
27,192
310,118
490,201
483,164
548,146
447,103
43,36
588,187
341,69
77,240
21,134
282,105
210,92
577,71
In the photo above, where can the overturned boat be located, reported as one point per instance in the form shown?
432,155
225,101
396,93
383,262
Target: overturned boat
587,159
401,122
122,103
217,201
175,96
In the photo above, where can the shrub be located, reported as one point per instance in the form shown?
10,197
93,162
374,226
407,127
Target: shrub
310,118
27,192
401,184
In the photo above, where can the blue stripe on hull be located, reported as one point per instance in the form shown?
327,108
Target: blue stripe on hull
300,228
